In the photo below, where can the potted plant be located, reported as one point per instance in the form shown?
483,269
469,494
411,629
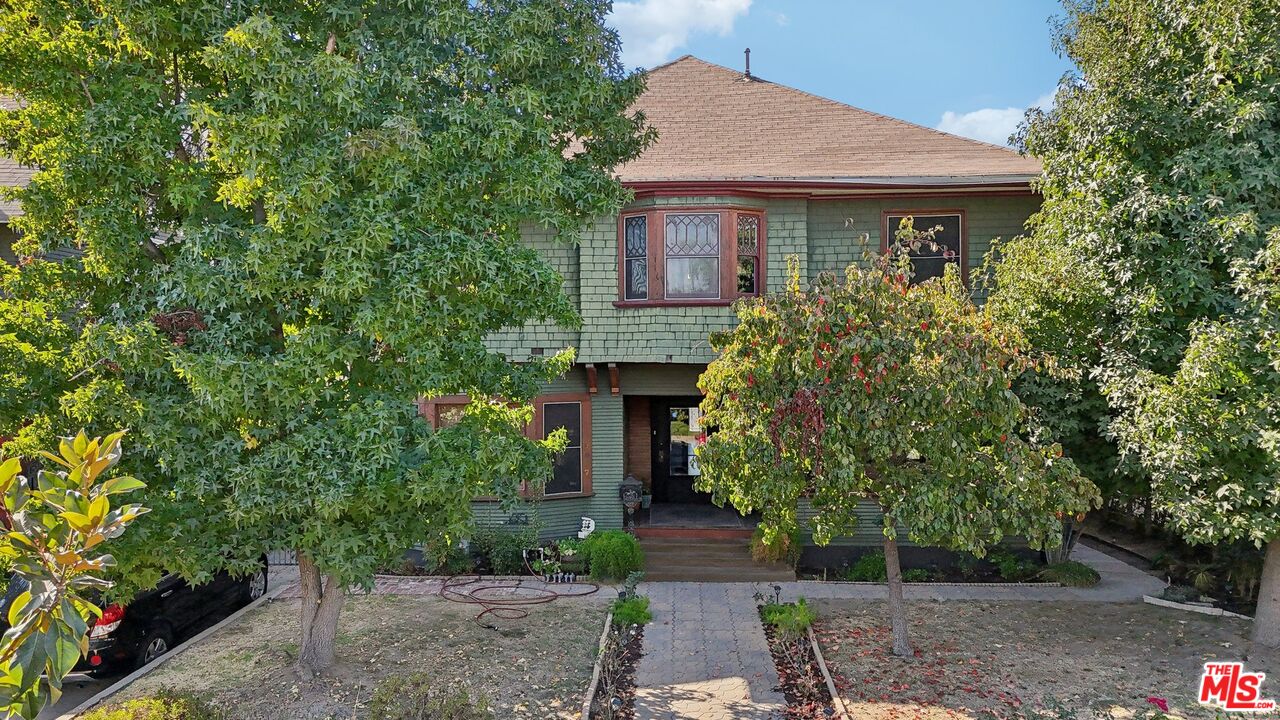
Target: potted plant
571,557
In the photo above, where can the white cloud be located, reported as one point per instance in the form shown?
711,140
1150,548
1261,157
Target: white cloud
993,125
781,19
652,30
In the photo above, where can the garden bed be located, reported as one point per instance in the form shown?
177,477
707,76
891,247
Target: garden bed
537,668
1014,659
1001,567
618,681
800,676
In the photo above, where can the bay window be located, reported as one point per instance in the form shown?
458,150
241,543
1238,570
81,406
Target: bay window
690,257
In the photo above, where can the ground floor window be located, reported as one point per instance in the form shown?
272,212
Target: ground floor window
571,471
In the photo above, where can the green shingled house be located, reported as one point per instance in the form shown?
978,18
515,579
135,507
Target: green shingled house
744,174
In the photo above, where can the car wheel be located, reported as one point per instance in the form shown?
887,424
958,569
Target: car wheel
156,643
256,585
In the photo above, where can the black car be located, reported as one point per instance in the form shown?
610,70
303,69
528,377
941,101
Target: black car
130,636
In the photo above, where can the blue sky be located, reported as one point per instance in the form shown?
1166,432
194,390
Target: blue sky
965,66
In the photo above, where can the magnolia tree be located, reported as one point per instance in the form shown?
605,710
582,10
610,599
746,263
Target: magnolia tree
873,388
60,525
1162,213
297,219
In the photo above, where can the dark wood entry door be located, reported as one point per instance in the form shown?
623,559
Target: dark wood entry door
676,431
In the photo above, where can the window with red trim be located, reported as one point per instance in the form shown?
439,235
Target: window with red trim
690,256
571,469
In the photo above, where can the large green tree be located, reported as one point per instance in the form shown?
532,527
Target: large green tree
1162,208
871,388
299,217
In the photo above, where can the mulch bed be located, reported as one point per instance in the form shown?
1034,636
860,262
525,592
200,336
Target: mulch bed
800,678
624,683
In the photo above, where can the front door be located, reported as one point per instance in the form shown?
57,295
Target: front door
677,431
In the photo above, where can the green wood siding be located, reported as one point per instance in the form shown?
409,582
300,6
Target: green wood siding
836,227
518,343
562,517
662,350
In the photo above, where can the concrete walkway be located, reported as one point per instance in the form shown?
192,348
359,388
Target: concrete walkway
706,656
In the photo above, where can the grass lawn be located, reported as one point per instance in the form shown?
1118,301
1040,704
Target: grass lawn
536,668
1009,659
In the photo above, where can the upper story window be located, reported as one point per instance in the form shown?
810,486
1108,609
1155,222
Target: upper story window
690,257
949,243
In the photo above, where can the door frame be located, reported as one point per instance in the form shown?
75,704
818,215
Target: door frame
660,441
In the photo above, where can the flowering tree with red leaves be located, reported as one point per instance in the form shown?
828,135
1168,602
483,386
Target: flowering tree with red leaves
875,388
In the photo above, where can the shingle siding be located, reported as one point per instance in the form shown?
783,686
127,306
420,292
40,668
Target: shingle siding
663,350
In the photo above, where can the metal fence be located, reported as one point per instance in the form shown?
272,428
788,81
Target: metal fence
282,557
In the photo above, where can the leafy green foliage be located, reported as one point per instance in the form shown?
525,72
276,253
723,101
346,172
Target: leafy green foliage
295,224
167,705
868,568
1012,566
59,524
40,318
791,619
631,611
418,697
505,548
612,554
1162,184
917,575
1071,574
875,388
783,548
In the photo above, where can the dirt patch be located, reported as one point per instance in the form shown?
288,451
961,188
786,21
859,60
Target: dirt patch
535,668
1006,660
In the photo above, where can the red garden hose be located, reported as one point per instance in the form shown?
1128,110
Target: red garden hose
507,598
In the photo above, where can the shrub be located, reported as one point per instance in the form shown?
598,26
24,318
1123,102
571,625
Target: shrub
917,575
784,548
790,619
504,549
612,554
868,568
164,705
631,611
415,698
1012,567
1071,574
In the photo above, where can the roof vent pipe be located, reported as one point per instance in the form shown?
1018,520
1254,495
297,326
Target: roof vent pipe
747,74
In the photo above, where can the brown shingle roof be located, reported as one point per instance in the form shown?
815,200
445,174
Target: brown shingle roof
11,173
713,124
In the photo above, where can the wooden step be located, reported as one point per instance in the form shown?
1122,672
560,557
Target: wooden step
693,533
679,559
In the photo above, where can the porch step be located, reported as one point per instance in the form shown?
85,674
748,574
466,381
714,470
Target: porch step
646,532
674,559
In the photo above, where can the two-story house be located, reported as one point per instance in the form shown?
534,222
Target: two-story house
744,174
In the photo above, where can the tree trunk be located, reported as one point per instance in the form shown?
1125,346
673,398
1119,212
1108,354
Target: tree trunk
897,610
322,599
1266,622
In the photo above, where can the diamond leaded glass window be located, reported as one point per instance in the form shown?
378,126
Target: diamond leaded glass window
692,245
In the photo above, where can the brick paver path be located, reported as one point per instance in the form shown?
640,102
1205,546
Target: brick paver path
705,655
